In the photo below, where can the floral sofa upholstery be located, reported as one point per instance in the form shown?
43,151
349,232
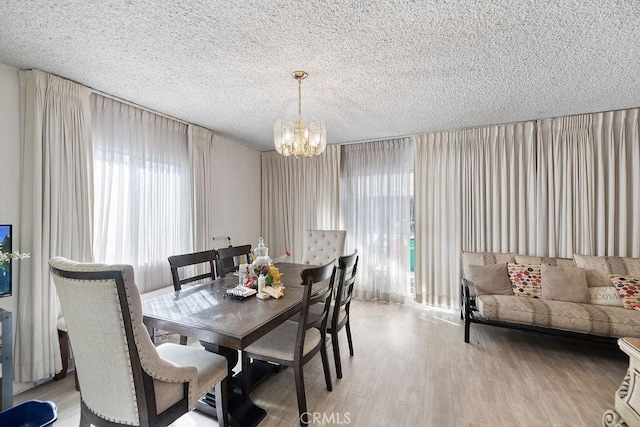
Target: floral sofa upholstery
599,313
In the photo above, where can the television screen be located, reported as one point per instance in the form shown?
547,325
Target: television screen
5,268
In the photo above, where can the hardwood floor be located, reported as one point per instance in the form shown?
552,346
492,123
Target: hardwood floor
412,368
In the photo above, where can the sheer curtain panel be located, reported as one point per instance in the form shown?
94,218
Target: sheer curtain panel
142,190
298,194
375,203
56,210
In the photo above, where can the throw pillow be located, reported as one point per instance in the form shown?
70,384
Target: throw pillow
483,258
525,279
490,279
598,268
564,284
628,288
605,295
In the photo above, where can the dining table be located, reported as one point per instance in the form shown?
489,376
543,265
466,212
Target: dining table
225,325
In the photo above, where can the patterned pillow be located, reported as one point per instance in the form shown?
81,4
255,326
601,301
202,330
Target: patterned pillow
526,279
628,288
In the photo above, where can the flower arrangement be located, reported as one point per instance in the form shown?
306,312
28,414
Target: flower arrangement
6,257
273,275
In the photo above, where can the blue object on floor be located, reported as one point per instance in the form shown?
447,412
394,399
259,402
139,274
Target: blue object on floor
31,413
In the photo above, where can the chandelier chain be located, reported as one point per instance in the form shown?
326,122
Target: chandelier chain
299,97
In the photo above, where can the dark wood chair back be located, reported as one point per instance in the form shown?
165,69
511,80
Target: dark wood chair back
346,276
291,336
310,296
187,260
229,259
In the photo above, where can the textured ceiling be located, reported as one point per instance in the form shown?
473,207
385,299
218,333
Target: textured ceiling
377,69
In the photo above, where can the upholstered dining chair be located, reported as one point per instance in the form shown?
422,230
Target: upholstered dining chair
321,246
339,310
296,343
124,379
229,259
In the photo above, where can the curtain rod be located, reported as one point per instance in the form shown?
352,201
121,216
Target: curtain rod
362,141
133,104
124,101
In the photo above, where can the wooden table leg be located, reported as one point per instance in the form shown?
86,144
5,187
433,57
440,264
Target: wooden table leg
63,337
241,409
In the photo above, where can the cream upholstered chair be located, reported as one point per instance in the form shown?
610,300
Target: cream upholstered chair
295,343
322,246
124,379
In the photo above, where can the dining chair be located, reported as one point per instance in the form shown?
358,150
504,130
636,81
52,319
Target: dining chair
321,246
229,259
185,265
339,317
296,343
124,379
180,263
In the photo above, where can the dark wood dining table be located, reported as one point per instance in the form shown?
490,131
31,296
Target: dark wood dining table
225,325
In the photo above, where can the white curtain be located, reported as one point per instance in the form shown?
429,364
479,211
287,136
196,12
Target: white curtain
565,186
616,202
142,189
201,154
589,185
475,191
438,217
298,194
375,203
556,187
56,210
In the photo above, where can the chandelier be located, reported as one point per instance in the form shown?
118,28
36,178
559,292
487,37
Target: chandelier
297,135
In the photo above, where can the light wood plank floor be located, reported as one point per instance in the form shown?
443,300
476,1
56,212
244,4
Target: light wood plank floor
412,368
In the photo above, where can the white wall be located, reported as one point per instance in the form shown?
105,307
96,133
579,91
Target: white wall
236,210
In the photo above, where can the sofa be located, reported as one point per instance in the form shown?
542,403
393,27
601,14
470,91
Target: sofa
590,297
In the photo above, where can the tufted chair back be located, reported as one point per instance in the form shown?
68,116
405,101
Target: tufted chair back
322,246
124,379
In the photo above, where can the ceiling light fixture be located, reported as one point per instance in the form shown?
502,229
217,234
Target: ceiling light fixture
298,136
